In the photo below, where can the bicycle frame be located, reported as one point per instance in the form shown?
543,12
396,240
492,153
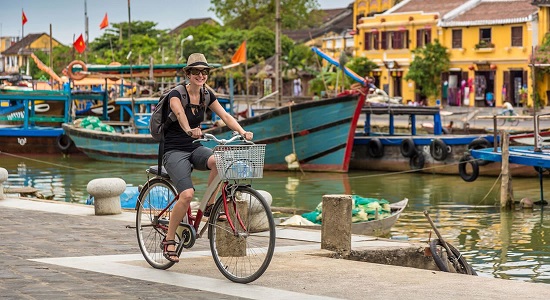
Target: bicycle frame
211,191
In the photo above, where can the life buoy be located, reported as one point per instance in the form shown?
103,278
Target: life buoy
408,148
462,164
417,161
375,148
480,143
77,76
64,142
99,110
42,107
438,149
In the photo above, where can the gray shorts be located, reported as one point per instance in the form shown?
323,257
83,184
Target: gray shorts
180,164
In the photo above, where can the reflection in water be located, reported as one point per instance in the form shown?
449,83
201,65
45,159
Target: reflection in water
512,245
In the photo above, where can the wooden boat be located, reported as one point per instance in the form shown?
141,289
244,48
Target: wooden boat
30,131
436,153
383,226
119,146
527,139
379,227
320,133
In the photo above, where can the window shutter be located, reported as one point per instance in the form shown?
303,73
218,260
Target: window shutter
506,75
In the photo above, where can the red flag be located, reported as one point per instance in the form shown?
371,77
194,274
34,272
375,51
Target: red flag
23,18
105,22
240,55
79,44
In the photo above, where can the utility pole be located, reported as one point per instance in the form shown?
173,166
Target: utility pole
278,75
86,31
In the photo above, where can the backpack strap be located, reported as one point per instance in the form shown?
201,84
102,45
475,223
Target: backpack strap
184,100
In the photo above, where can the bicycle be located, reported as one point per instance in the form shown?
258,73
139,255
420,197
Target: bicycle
242,243
508,112
446,256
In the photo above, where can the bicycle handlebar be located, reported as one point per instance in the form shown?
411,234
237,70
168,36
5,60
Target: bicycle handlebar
210,137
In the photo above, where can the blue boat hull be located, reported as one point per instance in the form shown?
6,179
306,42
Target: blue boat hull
130,148
320,133
321,136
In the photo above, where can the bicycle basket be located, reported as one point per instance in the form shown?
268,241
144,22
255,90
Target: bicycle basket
240,161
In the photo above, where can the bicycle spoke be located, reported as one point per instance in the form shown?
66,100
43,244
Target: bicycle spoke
150,233
242,254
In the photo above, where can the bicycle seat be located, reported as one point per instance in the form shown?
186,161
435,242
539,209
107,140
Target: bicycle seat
154,170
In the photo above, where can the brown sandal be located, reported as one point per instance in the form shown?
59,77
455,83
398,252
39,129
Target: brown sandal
169,254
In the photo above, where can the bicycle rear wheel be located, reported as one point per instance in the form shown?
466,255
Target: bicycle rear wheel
244,255
150,227
452,262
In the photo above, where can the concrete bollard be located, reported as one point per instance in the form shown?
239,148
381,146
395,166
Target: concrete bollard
336,226
258,221
106,193
229,245
3,178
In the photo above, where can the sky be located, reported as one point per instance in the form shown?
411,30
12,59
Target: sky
67,16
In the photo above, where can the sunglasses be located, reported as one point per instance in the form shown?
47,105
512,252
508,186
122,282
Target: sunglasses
204,72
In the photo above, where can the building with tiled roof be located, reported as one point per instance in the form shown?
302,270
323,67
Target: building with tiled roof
489,43
192,23
5,43
19,53
335,22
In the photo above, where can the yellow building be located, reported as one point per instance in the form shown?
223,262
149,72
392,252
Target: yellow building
489,43
18,54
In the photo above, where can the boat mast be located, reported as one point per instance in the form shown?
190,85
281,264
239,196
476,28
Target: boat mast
278,75
86,31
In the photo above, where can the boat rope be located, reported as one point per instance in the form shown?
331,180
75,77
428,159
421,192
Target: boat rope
292,138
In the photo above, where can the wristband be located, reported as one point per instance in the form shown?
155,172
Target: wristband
190,133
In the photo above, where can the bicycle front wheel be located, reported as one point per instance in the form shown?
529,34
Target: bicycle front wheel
151,226
242,255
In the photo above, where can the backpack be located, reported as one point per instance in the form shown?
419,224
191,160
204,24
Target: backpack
159,121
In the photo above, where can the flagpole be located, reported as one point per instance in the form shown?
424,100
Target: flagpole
22,24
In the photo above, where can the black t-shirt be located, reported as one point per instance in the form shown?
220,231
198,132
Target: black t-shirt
177,139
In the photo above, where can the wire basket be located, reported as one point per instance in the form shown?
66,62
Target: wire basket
240,161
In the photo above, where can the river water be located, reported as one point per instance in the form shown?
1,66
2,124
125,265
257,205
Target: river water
510,245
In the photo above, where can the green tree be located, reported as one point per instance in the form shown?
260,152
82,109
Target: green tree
114,44
361,65
426,68
248,14
34,71
299,58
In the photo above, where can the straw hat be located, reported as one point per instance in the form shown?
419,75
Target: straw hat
197,60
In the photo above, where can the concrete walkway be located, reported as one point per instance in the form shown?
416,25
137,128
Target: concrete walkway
54,250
